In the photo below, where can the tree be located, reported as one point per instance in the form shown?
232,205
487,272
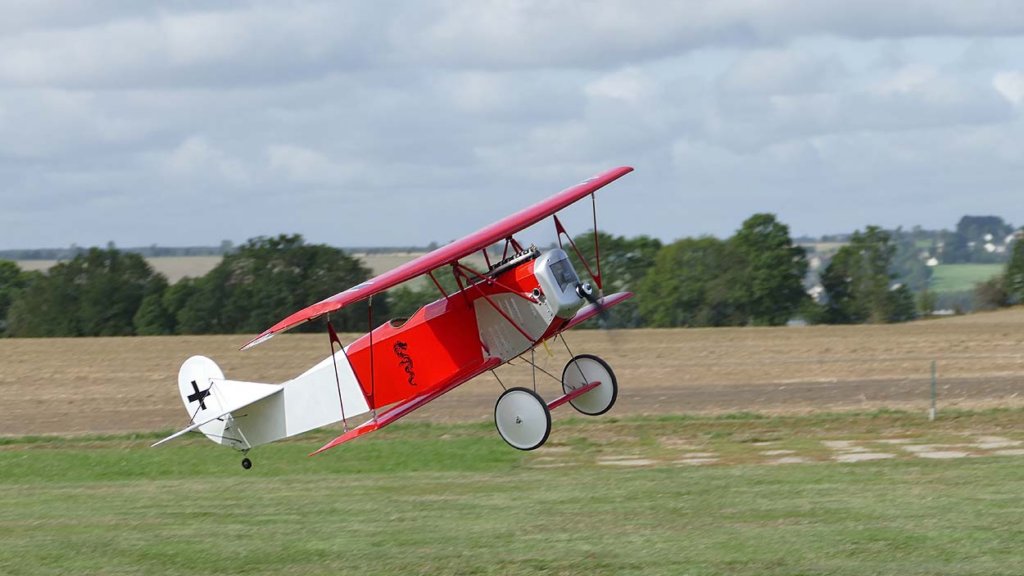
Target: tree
693,282
967,243
152,318
97,293
12,282
406,299
908,265
926,302
267,279
624,264
954,248
773,270
174,300
976,228
859,282
1015,272
991,294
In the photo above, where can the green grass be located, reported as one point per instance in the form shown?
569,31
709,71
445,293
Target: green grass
961,277
429,499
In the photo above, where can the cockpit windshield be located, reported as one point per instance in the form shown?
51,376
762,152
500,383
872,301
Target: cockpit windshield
564,274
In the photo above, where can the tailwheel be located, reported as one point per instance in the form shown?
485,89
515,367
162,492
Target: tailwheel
246,463
583,370
522,418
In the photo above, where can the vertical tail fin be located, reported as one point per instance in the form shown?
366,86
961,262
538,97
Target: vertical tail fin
243,415
215,405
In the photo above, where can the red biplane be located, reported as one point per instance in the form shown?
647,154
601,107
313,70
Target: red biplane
526,298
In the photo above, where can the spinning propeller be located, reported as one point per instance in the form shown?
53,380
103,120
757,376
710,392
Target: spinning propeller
586,291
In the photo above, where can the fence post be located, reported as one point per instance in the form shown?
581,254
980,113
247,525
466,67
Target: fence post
931,413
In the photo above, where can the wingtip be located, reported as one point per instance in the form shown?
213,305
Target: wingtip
257,340
326,447
368,426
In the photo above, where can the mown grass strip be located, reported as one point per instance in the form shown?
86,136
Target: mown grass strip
431,499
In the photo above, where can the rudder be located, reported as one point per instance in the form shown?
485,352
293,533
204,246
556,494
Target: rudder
214,404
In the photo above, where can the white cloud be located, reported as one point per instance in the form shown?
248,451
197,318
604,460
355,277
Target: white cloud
1010,85
197,158
630,85
781,71
479,92
306,166
245,43
723,107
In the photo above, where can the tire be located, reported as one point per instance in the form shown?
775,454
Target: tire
584,369
522,418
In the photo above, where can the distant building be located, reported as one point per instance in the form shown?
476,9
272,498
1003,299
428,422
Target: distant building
817,292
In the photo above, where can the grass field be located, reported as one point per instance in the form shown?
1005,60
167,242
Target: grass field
961,277
730,451
668,495
173,267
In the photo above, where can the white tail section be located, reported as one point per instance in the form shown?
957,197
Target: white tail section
244,415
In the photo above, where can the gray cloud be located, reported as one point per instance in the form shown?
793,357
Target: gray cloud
407,122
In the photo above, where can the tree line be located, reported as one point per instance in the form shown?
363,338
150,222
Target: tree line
107,292
756,277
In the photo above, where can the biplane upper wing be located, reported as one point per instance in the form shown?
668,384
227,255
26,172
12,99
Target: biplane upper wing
447,254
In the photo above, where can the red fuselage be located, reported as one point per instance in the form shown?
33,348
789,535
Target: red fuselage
500,315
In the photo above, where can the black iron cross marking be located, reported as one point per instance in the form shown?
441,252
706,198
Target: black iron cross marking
198,396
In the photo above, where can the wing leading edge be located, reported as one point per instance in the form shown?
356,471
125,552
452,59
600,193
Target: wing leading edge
447,254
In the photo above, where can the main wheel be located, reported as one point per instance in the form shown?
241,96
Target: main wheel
522,418
246,463
584,369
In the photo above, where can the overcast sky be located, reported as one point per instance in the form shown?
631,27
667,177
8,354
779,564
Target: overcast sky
402,123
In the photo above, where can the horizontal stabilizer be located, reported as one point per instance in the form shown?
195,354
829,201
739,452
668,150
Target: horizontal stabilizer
257,392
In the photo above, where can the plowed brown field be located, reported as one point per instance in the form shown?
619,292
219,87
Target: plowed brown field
106,385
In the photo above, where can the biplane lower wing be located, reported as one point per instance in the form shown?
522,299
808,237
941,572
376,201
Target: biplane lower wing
403,409
591,310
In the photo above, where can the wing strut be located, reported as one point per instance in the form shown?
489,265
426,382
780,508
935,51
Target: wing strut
561,231
597,241
370,400
438,284
510,242
333,336
460,270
